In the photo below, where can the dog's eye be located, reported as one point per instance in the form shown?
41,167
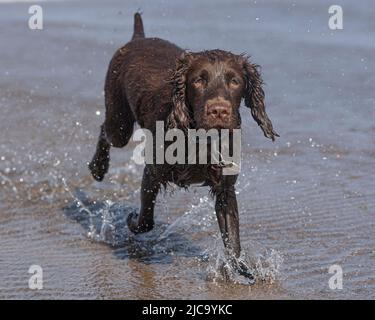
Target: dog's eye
234,82
200,82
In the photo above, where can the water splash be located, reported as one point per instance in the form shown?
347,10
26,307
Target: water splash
189,218
92,234
107,230
7,180
263,264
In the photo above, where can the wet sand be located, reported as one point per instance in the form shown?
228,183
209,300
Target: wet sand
306,201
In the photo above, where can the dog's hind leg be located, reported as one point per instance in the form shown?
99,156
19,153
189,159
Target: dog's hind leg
116,129
119,119
118,138
100,162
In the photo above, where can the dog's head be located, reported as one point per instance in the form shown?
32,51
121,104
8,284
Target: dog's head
208,88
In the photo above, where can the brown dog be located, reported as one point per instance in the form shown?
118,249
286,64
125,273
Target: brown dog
149,80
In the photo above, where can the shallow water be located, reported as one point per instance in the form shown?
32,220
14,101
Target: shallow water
306,201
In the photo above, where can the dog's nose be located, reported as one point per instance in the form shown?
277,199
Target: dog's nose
218,111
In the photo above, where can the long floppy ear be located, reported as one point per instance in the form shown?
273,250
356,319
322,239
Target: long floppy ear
180,115
254,99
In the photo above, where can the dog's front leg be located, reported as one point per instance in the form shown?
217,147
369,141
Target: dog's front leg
144,221
227,215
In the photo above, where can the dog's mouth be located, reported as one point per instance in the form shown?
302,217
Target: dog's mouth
219,125
215,114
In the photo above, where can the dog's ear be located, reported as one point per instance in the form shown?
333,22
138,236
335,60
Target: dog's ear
254,98
180,114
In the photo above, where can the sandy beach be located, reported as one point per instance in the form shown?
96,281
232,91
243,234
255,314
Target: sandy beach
306,201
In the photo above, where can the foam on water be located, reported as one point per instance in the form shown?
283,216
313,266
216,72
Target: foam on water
264,264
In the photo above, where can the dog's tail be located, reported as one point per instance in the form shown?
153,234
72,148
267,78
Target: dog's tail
138,27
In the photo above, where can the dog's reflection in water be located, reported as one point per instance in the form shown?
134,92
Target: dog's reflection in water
105,222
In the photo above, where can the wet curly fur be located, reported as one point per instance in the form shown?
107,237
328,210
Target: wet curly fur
151,80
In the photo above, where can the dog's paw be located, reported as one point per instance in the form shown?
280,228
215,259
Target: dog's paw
244,271
235,270
135,227
98,169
